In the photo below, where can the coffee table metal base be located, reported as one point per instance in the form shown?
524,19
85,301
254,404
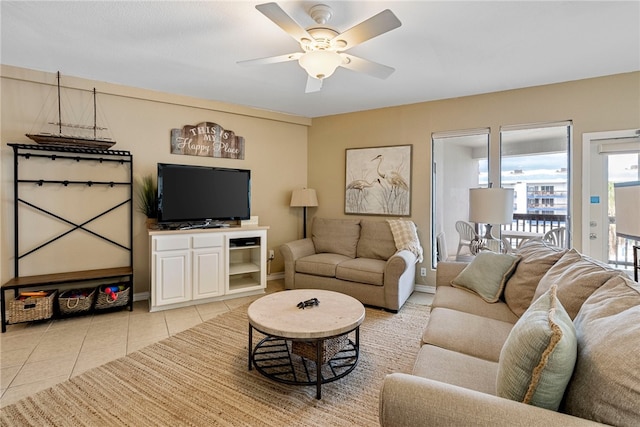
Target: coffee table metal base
273,358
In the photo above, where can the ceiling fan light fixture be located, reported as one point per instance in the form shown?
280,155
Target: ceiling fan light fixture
320,64
339,44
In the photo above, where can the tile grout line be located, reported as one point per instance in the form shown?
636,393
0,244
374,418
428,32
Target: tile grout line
26,359
84,339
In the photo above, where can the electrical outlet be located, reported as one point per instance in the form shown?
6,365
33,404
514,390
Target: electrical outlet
423,271
272,254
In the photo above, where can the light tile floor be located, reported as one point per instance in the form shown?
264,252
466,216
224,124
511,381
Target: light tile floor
35,356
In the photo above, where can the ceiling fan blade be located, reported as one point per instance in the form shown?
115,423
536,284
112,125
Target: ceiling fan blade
283,20
365,66
313,85
372,27
272,59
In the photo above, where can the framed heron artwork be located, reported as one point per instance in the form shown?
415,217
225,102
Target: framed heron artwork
378,181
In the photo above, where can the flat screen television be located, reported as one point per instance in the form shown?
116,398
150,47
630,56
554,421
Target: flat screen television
200,195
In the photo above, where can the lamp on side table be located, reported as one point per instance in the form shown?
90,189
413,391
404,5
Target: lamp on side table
304,198
490,206
627,197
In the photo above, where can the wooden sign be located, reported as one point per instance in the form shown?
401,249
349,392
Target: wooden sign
207,140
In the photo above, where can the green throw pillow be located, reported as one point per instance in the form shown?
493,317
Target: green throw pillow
538,357
487,274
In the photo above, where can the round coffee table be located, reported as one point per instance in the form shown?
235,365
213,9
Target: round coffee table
298,338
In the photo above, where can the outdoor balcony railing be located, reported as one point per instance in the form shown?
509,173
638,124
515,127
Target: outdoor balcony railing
621,248
536,223
525,226
528,226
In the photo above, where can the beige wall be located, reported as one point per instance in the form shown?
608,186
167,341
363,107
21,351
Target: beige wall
600,104
276,144
140,121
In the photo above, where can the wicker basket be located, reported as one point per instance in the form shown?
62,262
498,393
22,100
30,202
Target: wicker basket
330,347
32,308
104,301
70,303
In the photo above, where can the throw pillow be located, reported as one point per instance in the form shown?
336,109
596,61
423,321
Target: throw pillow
536,259
538,357
577,276
336,236
487,274
605,386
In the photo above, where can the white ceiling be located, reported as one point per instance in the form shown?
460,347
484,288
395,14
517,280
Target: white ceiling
443,49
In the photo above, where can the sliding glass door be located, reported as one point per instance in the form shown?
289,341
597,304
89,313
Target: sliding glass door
459,163
610,158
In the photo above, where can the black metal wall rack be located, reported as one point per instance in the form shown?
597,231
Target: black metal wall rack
79,154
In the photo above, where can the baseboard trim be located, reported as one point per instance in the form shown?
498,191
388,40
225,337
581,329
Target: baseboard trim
141,296
426,289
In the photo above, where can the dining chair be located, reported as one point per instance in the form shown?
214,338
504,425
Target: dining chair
467,236
556,237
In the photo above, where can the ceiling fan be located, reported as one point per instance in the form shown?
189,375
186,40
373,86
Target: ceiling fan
323,47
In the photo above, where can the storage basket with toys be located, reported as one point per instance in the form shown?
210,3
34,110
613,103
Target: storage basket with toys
73,301
114,295
32,305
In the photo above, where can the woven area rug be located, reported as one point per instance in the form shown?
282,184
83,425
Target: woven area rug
199,377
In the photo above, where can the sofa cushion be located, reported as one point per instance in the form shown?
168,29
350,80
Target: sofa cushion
376,240
455,368
576,276
605,386
539,355
363,270
338,236
320,264
466,333
470,302
487,274
536,259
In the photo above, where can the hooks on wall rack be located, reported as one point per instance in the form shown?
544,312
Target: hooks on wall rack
107,153
105,156
66,182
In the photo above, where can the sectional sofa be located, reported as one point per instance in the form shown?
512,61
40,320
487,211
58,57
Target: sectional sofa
548,337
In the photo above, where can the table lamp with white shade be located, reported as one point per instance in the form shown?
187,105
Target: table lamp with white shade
490,206
627,200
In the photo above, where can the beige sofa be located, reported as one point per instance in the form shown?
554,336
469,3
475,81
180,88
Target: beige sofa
556,329
353,256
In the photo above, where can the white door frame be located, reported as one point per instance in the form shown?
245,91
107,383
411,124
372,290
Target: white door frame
590,141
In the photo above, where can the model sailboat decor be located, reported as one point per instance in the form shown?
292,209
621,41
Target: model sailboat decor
89,138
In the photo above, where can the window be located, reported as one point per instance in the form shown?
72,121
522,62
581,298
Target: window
621,167
535,162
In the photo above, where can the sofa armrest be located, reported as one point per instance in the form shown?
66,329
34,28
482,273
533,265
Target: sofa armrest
399,278
412,401
446,271
290,253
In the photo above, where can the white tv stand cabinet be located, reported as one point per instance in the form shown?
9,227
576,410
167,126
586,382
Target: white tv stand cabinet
204,265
